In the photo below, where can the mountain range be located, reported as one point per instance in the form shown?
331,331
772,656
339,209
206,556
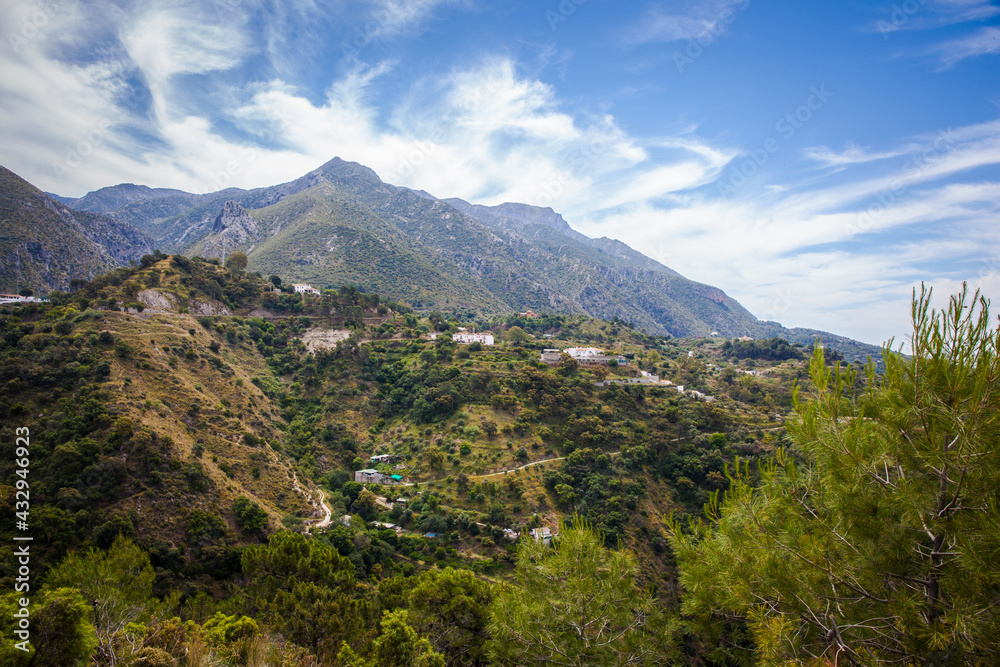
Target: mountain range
44,244
341,224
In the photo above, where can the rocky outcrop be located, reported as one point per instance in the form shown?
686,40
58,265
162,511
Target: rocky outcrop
233,229
156,300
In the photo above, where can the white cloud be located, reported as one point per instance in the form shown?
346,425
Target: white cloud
688,20
808,256
985,41
394,16
164,41
850,155
934,14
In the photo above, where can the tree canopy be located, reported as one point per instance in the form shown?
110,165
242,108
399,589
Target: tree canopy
874,539
237,262
576,603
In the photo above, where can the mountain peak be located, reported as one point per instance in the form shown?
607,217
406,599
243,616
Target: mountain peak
338,170
233,228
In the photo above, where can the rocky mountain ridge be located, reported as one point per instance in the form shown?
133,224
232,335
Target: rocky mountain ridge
341,224
45,244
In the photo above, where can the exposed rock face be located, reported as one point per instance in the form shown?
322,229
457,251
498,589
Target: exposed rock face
233,229
156,300
516,216
198,307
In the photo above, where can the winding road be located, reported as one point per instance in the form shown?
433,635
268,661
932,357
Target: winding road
327,510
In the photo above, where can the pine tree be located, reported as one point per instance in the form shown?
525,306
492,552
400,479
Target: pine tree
577,604
875,539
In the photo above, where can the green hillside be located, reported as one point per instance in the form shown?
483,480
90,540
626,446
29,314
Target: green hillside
342,224
192,423
150,421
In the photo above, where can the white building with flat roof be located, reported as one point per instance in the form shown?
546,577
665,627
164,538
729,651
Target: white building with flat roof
484,338
305,288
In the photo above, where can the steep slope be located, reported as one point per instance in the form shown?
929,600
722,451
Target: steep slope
319,237
517,257
45,244
341,224
526,220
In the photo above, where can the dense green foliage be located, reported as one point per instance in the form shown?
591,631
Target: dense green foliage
773,349
157,549
577,604
874,540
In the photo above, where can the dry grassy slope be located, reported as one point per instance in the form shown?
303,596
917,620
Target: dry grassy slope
157,394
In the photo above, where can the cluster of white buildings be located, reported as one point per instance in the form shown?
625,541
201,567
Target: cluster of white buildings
17,298
372,476
583,355
472,337
305,288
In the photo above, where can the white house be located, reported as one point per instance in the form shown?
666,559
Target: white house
484,338
583,352
543,534
593,355
17,298
305,288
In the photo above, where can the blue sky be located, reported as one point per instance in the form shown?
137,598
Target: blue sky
816,160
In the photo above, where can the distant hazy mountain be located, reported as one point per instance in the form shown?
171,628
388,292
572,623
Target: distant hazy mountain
44,244
342,224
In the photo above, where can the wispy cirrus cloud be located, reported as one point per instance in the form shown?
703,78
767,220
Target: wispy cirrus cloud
930,14
850,155
840,256
683,21
396,16
984,41
933,14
